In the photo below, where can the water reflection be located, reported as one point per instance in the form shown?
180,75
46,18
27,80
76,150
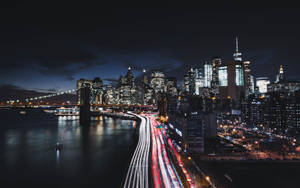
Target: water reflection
57,156
93,153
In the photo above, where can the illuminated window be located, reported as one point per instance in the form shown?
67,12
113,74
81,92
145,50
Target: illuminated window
222,73
207,74
239,76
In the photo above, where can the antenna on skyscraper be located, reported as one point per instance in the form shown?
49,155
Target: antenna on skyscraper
237,55
236,44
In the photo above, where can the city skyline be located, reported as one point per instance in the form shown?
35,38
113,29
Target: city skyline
126,96
54,50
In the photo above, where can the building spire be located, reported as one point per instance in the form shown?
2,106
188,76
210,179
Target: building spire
281,69
236,44
237,56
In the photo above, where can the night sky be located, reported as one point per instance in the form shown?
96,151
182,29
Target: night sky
48,46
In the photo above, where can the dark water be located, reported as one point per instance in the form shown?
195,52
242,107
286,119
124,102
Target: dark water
95,156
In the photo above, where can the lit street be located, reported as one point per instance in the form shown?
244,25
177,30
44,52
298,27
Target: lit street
137,175
109,96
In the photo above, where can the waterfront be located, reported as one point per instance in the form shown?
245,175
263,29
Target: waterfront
95,155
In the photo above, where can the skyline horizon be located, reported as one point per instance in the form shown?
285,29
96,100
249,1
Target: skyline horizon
49,51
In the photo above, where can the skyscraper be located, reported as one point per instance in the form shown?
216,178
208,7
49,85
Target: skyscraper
239,75
157,81
171,84
186,83
97,91
110,95
223,76
262,84
283,85
191,77
129,78
280,75
237,56
216,63
157,85
193,80
231,80
247,78
126,88
208,71
144,81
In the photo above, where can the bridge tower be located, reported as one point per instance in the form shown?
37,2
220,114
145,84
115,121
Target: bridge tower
85,94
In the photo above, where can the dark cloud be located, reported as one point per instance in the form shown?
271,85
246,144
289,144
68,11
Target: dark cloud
112,81
50,90
12,92
55,57
64,40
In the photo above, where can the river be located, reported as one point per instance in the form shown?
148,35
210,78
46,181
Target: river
96,156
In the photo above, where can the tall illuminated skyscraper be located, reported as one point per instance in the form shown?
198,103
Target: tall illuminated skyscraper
208,73
157,81
247,77
144,79
280,75
193,80
171,84
231,80
216,63
223,76
262,84
237,56
239,75
186,83
97,91
191,76
129,78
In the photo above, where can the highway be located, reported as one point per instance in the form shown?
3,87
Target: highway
137,174
163,172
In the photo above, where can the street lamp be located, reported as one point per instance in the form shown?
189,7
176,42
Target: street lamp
257,143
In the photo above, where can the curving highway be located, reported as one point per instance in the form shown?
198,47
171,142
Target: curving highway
137,175
163,172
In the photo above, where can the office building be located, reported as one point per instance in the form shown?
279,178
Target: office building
262,84
231,81
208,73
171,84
185,128
283,85
97,91
216,63
157,82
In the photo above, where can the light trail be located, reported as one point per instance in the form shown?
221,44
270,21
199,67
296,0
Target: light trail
178,157
163,173
137,175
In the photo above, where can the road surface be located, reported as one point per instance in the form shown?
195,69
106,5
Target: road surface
137,175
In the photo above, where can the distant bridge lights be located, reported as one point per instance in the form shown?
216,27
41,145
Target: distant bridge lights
51,95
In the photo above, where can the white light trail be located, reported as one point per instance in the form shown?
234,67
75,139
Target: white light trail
137,175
